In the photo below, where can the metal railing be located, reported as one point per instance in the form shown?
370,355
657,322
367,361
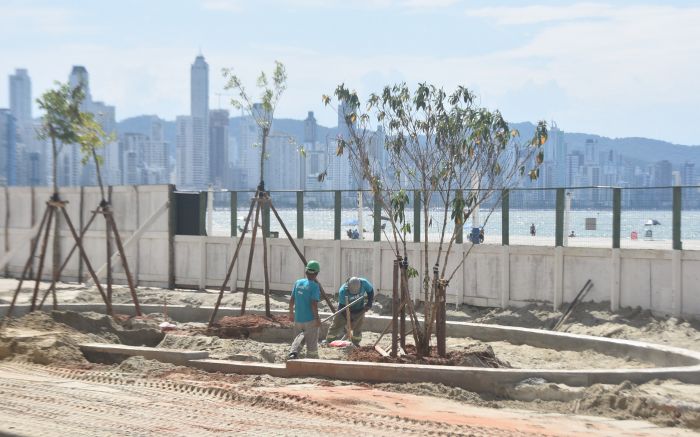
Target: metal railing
655,217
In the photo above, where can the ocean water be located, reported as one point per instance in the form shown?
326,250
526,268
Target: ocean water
320,222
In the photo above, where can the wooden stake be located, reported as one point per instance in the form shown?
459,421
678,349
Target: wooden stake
108,304
230,267
117,239
29,263
395,304
250,256
266,273
42,256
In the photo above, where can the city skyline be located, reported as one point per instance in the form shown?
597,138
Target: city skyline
622,70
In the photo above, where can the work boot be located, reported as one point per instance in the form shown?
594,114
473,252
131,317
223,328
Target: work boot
292,356
356,341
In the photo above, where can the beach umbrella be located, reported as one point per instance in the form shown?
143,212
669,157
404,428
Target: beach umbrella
351,222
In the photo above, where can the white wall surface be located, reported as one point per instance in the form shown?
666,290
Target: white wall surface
490,276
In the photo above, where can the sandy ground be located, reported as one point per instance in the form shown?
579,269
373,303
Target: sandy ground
38,338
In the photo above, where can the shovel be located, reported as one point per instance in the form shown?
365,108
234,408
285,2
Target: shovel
300,337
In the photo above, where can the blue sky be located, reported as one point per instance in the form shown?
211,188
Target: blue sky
622,68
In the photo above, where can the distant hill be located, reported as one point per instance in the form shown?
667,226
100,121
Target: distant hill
637,149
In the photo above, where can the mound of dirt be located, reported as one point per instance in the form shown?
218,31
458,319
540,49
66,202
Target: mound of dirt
628,400
224,349
38,338
144,332
242,326
473,355
145,367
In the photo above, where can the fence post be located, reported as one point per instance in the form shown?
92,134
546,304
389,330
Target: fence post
416,216
172,228
460,229
337,208
617,211
203,213
561,198
505,218
677,243
234,213
300,215
377,218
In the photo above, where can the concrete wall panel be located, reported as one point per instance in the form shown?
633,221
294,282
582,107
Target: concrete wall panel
661,288
635,283
578,269
531,277
691,287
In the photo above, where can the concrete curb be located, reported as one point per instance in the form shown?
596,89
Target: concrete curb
119,351
671,362
478,379
241,367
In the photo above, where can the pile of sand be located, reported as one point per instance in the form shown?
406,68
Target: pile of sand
144,367
38,338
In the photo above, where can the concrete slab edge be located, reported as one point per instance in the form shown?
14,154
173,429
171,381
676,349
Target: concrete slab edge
660,355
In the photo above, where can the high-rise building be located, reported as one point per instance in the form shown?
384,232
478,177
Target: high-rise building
218,148
573,163
591,152
193,151
79,76
8,148
183,130
310,128
28,147
21,96
688,176
662,174
554,159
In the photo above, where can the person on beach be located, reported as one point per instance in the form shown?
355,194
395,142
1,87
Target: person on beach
303,310
359,292
533,231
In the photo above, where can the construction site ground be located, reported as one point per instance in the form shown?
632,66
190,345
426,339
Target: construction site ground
48,388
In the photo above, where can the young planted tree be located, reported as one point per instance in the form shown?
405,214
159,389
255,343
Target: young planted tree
271,88
91,138
456,155
263,112
63,123
61,108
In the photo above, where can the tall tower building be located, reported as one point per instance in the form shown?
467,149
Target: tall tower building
78,76
310,128
8,148
196,148
218,147
21,96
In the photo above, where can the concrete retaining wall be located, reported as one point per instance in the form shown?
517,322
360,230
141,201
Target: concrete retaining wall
664,281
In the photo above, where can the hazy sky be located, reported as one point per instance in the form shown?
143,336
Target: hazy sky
615,68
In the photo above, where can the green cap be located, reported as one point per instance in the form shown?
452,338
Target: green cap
313,266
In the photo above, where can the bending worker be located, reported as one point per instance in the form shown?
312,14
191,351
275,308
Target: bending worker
303,310
360,291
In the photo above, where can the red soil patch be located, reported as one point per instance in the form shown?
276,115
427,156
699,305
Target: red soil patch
477,355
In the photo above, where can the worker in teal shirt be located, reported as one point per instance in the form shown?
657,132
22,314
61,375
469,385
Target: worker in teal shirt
361,292
303,310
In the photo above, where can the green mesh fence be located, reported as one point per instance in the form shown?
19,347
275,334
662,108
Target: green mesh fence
690,218
646,218
532,217
588,217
